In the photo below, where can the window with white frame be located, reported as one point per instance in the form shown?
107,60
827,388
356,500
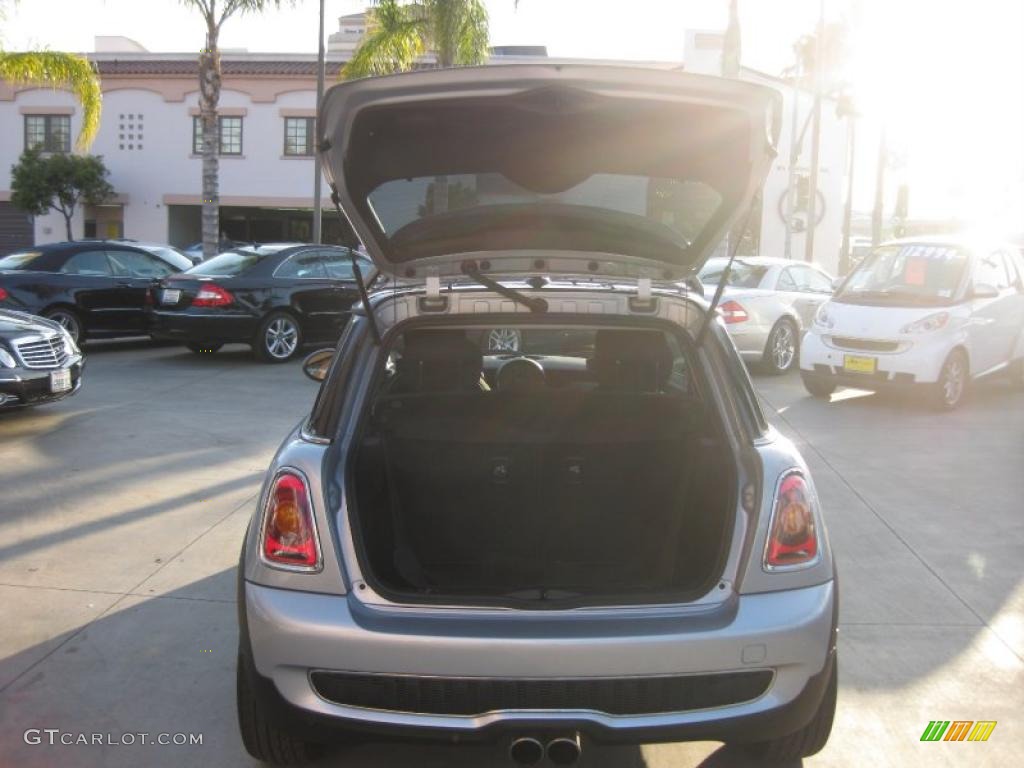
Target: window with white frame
298,135
229,130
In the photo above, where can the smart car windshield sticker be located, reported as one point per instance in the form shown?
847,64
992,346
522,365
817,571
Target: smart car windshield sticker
915,271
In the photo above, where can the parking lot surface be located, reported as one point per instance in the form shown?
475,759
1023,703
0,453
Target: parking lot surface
122,511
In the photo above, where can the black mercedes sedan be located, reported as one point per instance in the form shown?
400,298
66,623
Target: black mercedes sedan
92,288
273,297
39,361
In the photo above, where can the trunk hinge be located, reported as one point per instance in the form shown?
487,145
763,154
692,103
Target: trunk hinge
643,301
433,301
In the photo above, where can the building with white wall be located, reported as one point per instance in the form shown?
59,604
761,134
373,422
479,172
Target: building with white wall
267,106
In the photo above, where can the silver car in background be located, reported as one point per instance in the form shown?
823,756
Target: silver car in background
767,305
603,543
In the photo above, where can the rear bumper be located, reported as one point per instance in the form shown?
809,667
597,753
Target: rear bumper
750,341
202,327
791,633
27,386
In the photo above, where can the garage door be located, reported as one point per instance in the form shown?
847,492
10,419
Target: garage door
16,231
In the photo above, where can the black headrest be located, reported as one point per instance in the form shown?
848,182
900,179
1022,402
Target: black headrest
632,361
438,360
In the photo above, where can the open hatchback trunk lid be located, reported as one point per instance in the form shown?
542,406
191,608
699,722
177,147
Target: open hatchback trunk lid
546,168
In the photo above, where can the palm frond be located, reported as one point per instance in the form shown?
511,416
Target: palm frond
474,35
459,31
59,70
395,38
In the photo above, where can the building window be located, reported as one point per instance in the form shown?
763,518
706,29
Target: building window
298,135
50,133
230,135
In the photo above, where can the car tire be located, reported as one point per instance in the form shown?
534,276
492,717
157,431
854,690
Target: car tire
949,391
810,739
203,349
279,337
817,386
262,737
69,320
782,349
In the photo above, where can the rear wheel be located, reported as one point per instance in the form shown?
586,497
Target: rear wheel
948,392
68,320
810,739
279,337
263,737
203,349
818,387
781,350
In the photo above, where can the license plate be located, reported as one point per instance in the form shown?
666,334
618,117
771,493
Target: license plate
857,364
60,381
170,296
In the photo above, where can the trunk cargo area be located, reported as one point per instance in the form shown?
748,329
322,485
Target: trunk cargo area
545,498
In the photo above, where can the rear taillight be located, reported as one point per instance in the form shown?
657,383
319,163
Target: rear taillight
212,296
792,533
4,294
733,312
289,537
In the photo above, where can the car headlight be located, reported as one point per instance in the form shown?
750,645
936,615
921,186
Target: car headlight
69,343
7,359
927,324
822,319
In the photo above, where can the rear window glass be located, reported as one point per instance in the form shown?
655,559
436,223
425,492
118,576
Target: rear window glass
654,213
19,260
172,256
228,263
742,275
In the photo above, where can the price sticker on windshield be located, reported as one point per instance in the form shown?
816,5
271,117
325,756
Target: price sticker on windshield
915,272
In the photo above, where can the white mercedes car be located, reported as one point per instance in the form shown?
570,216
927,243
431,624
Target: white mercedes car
767,304
934,314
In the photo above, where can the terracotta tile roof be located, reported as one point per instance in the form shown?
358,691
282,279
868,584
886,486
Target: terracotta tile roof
229,68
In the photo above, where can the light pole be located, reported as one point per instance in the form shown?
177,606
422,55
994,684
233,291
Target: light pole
876,213
321,65
844,257
819,69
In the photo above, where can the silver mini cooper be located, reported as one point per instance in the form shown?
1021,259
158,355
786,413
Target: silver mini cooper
592,537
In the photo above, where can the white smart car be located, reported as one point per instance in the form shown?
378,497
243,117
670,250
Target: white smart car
932,313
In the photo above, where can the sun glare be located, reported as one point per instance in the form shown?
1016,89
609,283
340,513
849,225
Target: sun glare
947,81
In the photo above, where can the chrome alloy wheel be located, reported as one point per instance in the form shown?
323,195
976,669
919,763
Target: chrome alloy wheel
954,378
504,340
783,347
281,338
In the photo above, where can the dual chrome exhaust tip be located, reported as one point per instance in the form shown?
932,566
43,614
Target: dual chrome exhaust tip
564,750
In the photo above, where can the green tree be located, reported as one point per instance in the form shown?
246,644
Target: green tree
59,182
399,33
57,70
214,16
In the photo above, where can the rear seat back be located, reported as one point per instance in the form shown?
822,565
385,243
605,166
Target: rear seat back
438,360
546,478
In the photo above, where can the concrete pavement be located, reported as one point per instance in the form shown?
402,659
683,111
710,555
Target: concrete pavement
122,511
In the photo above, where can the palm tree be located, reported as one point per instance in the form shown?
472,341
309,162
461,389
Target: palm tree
59,70
399,33
209,96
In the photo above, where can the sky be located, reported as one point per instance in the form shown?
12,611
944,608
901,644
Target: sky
945,76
